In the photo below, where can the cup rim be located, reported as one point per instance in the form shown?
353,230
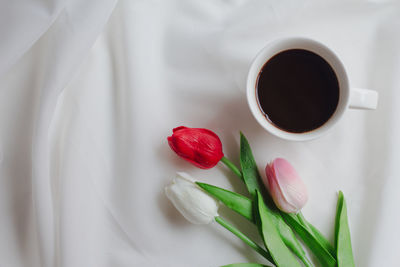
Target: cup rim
276,46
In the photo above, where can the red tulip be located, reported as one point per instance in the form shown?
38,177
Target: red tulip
199,146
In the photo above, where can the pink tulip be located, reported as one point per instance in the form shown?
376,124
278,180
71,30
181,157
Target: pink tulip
285,186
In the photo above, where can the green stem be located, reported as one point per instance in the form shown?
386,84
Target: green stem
303,221
244,238
306,261
232,166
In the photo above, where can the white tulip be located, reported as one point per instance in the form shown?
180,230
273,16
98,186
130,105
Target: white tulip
194,204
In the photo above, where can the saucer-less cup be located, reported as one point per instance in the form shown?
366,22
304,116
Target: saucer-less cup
348,97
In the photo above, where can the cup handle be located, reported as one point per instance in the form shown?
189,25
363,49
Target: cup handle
363,99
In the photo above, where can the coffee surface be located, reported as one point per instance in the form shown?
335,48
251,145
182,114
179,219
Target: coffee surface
297,90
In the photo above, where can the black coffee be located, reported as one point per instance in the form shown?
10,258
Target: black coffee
297,90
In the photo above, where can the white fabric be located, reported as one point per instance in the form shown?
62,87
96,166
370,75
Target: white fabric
90,90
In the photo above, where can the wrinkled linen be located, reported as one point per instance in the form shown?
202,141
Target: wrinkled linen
89,91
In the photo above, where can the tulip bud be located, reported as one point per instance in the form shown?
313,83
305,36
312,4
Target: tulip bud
201,147
194,204
285,186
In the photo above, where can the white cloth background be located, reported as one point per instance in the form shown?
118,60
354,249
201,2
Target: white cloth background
89,91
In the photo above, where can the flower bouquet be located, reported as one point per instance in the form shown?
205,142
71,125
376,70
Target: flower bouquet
273,204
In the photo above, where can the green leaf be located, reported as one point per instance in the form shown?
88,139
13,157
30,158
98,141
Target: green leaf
232,200
272,239
313,239
344,250
290,239
251,176
243,206
322,254
246,265
243,237
322,240
317,234
252,179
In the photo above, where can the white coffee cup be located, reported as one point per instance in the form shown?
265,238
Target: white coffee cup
348,97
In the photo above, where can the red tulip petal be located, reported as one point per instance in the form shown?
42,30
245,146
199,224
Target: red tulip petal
199,146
